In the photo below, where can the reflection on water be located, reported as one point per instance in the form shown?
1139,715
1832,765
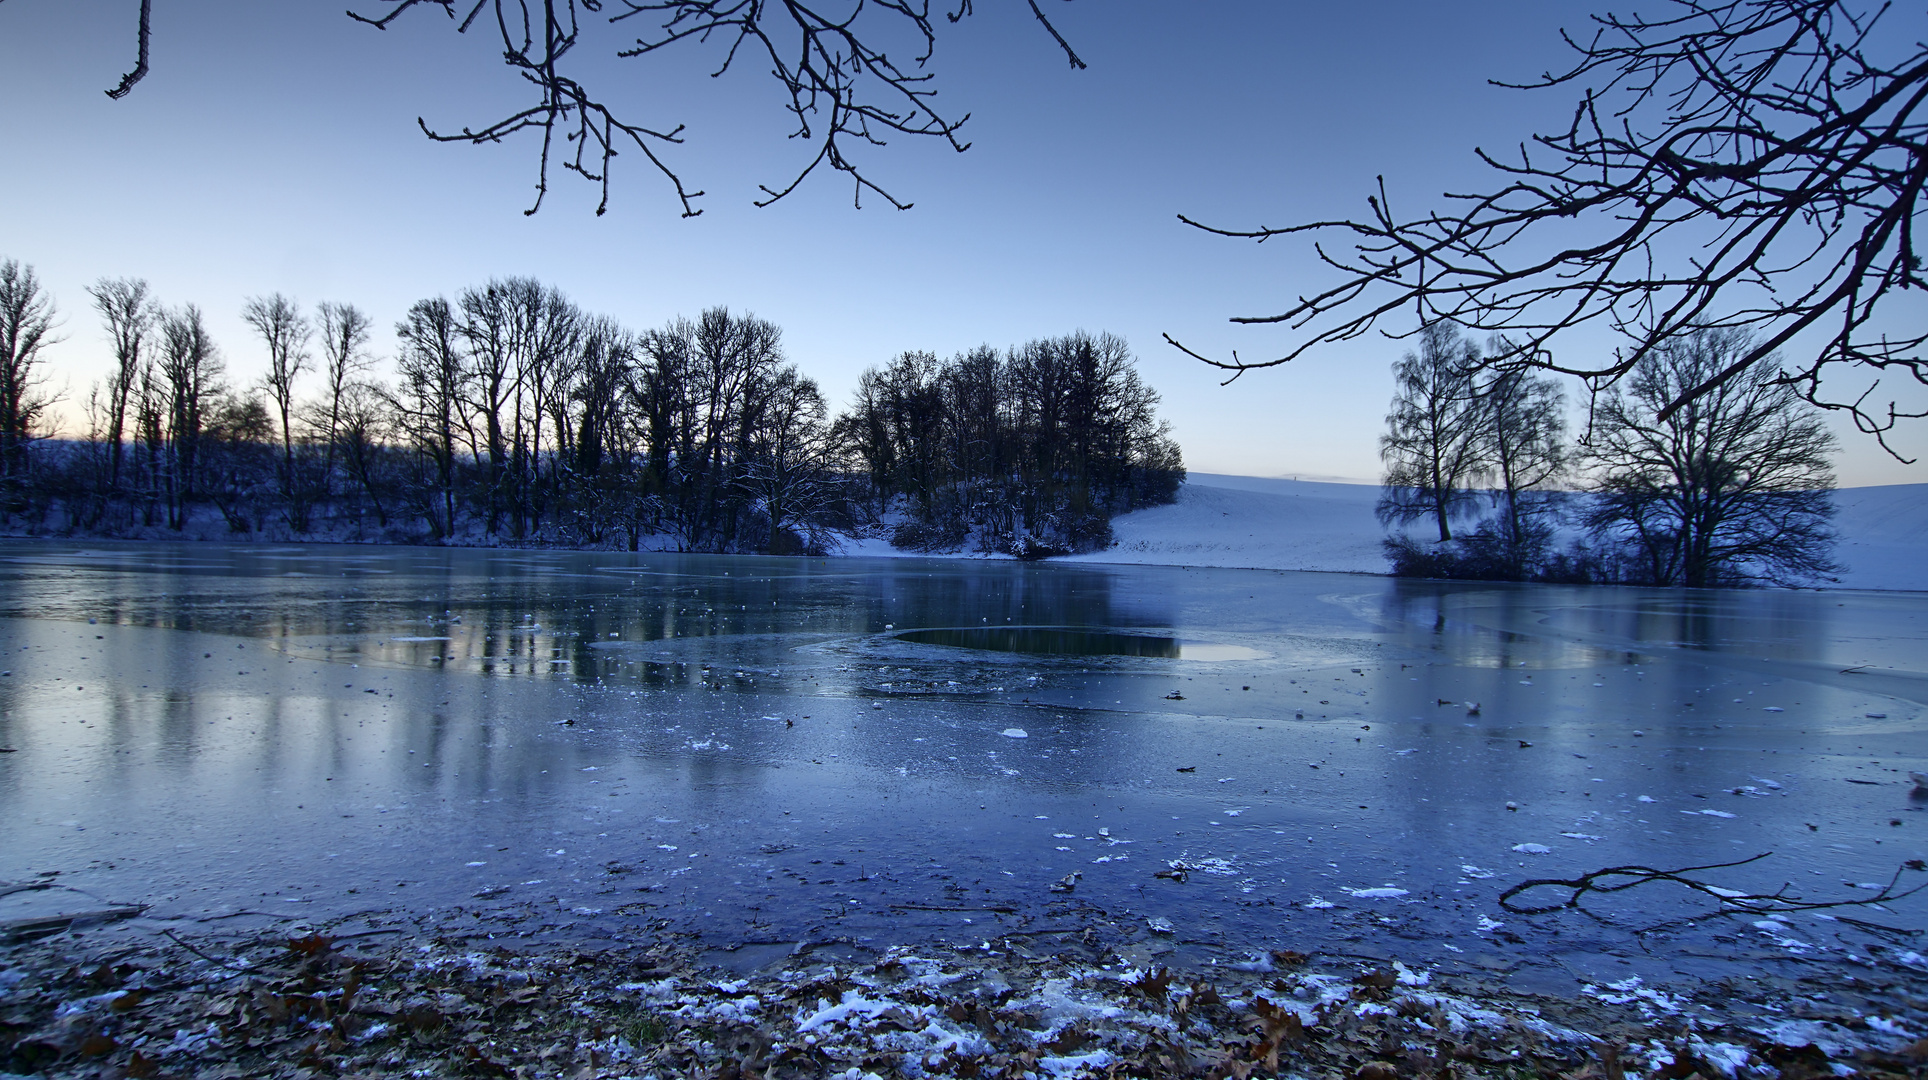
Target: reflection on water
1045,640
350,727
1071,641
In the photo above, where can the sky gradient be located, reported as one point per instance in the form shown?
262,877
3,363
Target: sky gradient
274,148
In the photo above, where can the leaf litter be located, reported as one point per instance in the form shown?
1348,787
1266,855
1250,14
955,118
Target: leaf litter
406,999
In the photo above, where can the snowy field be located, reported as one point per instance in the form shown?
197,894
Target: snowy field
1272,524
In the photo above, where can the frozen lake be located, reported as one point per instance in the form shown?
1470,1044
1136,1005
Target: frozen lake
765,751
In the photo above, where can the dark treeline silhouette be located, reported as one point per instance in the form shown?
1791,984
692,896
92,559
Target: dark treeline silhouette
517,417
1029,451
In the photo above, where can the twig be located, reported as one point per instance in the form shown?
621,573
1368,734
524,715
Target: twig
229,964
1641,875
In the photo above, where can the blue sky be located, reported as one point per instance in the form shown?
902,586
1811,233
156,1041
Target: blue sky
274,148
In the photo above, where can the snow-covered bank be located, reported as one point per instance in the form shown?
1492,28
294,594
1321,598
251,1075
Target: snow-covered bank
1250,521
1272,524
1884,536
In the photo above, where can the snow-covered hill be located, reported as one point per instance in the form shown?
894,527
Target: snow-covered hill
1248,521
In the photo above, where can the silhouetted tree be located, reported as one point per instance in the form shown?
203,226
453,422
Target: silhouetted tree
284,331
362,430
1732,486
1436,443
493,340
786,469
26,328
1032,450
344,331
1524,422
431,405
190,372
129,314
241,471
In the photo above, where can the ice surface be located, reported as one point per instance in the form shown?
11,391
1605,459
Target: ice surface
754,757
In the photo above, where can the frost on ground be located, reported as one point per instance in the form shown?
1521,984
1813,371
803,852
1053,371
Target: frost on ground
1022,1006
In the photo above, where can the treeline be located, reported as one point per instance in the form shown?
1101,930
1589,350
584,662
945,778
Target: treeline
1029,451
515,416
1731,488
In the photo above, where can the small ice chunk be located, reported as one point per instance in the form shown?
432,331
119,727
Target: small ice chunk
1015,733
1646,798
1709,813
1386,892
1532,849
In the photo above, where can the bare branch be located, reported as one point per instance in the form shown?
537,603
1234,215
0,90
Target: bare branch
1620,878
140,64
1776,191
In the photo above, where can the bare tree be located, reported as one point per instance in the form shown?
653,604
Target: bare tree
1523,416
190,372
1743,164
786,467
364,421
432,401
601,475
841,74
1435,446
1732,486
1028,452
345,331
129,312
285,333
551,362
26,327
494,341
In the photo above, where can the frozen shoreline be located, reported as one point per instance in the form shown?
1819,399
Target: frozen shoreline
450,997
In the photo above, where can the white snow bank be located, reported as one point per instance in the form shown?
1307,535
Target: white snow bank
1273,524
1884,534
1249,521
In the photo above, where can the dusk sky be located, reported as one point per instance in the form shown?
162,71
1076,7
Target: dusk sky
274,148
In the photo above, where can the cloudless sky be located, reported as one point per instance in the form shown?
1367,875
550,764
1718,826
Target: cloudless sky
274,148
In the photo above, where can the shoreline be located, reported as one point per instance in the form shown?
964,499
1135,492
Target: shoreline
1087,559
394,995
